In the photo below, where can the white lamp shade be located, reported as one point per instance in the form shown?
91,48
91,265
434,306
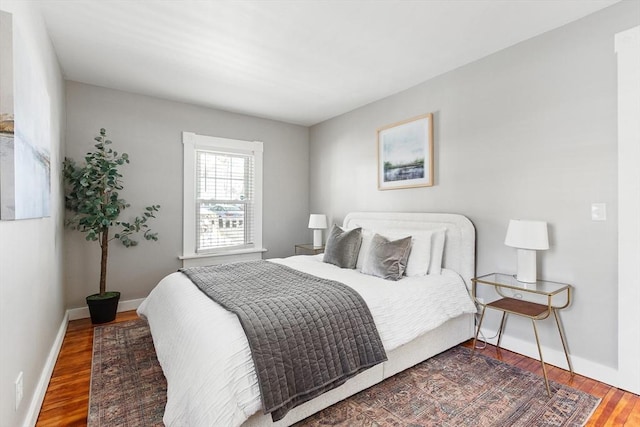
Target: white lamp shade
317,221
531,235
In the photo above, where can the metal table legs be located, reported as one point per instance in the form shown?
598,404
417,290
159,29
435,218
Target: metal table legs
535,331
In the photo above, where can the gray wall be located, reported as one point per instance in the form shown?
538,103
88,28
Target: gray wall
149,130
32,302
529,133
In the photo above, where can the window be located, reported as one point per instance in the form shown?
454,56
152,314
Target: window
222,196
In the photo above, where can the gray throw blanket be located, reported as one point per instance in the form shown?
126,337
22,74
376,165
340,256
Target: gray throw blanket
307,334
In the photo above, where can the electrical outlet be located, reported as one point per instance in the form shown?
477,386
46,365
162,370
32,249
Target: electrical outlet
19,390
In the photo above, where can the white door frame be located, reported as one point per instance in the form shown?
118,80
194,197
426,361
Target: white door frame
627,47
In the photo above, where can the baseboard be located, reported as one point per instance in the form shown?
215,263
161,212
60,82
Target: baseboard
556,358
83,312
45,376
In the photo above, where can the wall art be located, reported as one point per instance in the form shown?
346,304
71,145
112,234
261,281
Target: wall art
24,144
405,154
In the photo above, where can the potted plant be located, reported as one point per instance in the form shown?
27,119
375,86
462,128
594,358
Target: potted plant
91,193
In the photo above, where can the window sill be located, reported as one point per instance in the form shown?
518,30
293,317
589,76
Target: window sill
195,260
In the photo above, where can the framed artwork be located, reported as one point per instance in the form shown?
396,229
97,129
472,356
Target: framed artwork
405,154
24,148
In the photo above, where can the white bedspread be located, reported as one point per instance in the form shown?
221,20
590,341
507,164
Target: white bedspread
205,355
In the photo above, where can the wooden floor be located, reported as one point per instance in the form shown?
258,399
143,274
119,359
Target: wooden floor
66,402
67,398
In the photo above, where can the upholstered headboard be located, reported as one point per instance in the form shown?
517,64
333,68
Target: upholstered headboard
460,241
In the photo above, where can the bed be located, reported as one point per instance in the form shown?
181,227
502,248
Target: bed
207,362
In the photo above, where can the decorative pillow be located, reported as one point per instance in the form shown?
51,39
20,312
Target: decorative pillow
367,237
387,258
437,250
419,256
342,247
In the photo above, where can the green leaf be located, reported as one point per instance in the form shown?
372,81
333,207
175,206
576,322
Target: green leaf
91,195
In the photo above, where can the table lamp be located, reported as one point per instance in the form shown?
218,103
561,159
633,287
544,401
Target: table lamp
528,237
317,222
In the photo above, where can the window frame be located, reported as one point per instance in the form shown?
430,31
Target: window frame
193,142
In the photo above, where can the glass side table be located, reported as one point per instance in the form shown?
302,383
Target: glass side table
548,291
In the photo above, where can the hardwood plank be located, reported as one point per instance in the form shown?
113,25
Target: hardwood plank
622,410
634,416
66,402
559,375
604,413
575,381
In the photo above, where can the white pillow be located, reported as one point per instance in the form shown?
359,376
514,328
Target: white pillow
367,237
421,247
437,251
420,255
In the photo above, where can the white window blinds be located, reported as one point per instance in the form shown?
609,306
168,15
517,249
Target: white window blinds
224,200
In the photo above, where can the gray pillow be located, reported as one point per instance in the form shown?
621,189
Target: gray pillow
342,247
386,258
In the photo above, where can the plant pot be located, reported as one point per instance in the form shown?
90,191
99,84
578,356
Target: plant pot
103,308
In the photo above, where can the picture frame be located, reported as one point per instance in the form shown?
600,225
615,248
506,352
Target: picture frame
405,153
25,159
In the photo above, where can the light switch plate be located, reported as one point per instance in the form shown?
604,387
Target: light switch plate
598,212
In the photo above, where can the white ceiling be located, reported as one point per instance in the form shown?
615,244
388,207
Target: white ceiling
296,61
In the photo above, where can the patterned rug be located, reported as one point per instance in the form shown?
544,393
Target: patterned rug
456,388
128,387
451,389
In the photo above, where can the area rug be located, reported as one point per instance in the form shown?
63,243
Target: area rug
128,387
454,388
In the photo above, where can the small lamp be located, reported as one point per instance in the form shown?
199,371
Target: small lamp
317,222
528,237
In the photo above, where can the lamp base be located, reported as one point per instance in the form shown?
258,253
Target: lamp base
317,238
526,266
